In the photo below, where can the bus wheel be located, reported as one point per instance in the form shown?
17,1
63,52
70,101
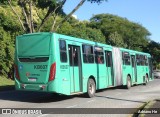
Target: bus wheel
91,88
128,82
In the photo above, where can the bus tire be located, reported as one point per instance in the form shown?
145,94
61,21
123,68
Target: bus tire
91,88
128,86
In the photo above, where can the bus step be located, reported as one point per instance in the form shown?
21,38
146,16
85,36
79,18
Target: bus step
134,83
74,93
110,86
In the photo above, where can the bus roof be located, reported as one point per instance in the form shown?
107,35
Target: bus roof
68,38
136,52
81,41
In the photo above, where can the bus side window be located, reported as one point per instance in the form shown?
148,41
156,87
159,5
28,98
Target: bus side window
109,59
146,61
88,56
142,61
99,55
63,52
75,56
126,58
138,60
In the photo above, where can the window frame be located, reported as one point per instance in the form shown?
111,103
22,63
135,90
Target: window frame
109,58
63,51
126,59
142,60
101,54
88,55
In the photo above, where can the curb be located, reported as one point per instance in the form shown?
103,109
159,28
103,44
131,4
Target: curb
7,88
145,106
140,108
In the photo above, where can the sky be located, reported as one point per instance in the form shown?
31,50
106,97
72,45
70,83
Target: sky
144,12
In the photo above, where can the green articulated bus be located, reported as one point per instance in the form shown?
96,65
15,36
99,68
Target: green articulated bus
51,62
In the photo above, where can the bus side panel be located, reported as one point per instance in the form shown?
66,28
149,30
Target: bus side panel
54,85
96,71
63,73
140,74
126,65
88,71
127,71
101,76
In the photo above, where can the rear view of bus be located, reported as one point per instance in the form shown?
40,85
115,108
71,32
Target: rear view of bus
35,65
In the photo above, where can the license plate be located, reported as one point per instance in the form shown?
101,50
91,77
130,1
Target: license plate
32,79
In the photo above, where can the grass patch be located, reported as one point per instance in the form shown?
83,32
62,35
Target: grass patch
149,105
145,107
6,82
141,107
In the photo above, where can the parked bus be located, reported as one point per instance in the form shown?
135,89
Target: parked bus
51,62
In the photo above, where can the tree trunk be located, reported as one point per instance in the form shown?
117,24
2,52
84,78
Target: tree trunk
17,15
31,17
48,15
69,15
54,22
26,17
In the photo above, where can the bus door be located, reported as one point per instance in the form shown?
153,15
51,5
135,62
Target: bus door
127,68
150,67
134,70
75,68
109,68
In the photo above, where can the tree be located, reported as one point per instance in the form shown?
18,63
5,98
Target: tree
120,31
9,28
6,53
79,29
53,8
154,49
116,39
19,16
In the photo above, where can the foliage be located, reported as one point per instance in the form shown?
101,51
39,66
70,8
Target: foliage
16,17
80,29
5,82
48,14
158,66
6,52
30,8
116,40
120,31
9,28
154,49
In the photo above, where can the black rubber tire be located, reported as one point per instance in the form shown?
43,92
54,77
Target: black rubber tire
91,88
129,84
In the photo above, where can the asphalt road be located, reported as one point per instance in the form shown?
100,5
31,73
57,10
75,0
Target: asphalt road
108,98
